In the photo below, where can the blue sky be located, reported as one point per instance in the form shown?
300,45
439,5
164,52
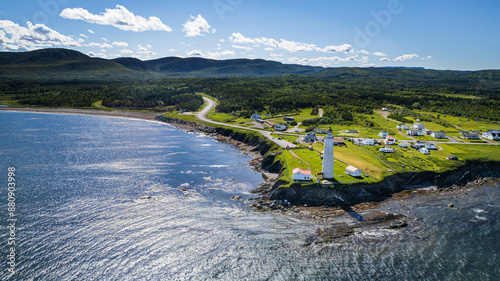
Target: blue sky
458,35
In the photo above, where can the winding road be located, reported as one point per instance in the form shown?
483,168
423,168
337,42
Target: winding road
202,116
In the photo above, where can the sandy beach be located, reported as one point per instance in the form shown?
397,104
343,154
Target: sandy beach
115,113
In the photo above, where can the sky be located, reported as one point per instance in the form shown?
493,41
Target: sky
455,35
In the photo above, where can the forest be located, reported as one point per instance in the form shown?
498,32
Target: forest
342,93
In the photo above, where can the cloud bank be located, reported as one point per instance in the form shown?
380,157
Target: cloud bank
119,17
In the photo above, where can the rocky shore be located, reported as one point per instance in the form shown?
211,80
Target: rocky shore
348,210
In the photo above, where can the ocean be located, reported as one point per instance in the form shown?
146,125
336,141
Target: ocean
103,198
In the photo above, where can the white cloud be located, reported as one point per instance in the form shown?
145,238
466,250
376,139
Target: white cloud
379,54
194,53
324,61
337,49
291,46
105,39
406,57
210,55
34,36
119,17
81,40
145,50
84,36
384,59
429,57
100,55
364,52
195,26
103,45
91,31
216,55
242,47
120,44
172,50
126,51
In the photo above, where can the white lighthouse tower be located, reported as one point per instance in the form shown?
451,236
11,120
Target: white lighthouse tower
328,156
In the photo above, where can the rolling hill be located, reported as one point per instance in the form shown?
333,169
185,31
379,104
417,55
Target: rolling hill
64,64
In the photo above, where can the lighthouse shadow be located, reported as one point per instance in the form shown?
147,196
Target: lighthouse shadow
353,213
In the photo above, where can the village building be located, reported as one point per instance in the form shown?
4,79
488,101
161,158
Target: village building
424,150
398,127
438,135
451,157
353,171
403,145
368,142
386,149
256,116
310,137
405,127
492,134
352,132
288,118
384,108
383,134
301,175
390,140
414,133
425,144
426,132
418,126
468,136
339,141
280,127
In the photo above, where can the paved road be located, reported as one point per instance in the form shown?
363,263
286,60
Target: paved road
202,116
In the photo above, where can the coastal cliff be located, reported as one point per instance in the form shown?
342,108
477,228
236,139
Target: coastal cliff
317,194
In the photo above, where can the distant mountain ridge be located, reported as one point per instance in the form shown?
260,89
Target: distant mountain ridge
69,64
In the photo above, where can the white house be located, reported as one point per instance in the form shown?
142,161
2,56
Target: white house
438,135
301,175
398,127
384,108
368,142
427,131
492,134
383,134
424,150
418,126
386,149
353,171
405,127
414,133
403,145
390,140
429,145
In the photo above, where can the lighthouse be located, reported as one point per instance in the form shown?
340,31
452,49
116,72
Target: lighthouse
328,156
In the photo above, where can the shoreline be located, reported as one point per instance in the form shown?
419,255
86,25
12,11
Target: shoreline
337,224
94,112
269,179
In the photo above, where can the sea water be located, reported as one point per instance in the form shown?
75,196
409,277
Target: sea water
101,198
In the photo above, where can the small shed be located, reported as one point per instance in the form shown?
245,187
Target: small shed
301,175
353,171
